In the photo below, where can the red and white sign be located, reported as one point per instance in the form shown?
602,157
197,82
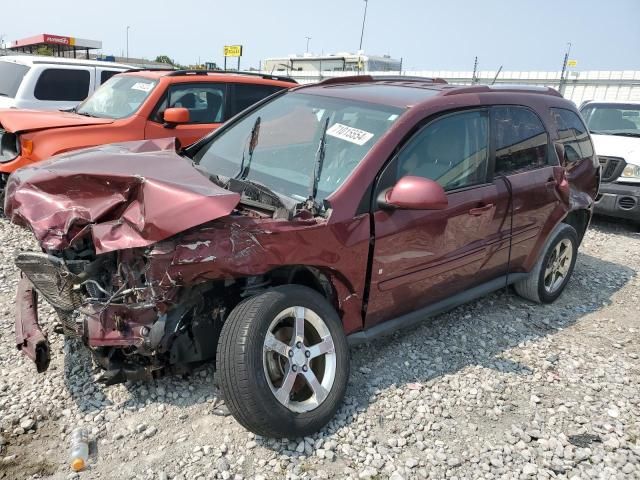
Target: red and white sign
57,39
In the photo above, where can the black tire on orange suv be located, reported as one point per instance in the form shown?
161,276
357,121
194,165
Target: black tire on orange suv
553,269
283,362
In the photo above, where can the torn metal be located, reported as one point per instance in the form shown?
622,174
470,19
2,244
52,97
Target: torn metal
144,263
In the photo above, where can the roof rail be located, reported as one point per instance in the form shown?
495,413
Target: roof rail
177,73
503,88
381,78
142,69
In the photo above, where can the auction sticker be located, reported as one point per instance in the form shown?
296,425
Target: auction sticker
145,87
349,134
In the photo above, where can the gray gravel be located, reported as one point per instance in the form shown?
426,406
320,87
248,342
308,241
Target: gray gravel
499,388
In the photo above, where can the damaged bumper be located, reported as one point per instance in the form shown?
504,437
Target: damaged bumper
132,336
29,336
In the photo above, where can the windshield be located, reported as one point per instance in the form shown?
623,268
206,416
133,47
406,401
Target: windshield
279,144
612,118
11,75
118,97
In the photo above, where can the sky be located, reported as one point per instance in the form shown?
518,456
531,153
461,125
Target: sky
426,34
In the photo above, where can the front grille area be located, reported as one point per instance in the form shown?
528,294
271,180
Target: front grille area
55,281
627,203
612,167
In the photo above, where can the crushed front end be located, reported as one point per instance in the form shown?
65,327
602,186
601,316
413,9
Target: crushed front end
117,307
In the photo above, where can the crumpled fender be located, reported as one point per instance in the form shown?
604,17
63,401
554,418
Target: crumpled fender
125,195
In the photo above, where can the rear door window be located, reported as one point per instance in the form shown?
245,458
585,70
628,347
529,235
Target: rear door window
11,75
521,140
246,95
63,85
572,134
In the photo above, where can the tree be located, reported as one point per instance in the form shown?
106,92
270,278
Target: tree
165,59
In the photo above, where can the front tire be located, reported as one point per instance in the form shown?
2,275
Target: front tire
553,269
283,362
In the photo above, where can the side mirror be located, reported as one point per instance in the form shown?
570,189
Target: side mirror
414,193
175,116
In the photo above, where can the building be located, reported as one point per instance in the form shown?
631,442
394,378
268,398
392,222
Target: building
340,62
60,46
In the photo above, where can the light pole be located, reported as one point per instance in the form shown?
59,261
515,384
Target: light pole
128,27
364,19
308,38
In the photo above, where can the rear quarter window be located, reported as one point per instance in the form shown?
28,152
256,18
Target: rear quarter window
11,75
107,74
61,84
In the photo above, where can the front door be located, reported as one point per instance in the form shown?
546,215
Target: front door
423,256
205,102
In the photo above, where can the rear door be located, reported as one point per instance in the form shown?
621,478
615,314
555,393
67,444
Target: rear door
524,164
423,256
206,105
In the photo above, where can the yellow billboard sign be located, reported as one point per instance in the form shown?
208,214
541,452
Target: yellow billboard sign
572,63
233,50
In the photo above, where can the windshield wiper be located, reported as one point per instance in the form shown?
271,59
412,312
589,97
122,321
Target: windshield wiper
85,114
253,142
627,134
317,169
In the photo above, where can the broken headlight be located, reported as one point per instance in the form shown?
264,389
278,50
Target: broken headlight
9,146
631,173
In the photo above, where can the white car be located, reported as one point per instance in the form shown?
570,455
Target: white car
51,83
615,131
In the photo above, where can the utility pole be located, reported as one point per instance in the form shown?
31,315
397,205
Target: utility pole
308,38
564,69
128,27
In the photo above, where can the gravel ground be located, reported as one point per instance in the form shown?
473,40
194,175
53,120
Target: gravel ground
499,388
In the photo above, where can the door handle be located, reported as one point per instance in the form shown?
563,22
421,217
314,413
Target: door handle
480,210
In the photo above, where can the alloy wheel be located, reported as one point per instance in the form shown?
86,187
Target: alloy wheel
558,266
299,359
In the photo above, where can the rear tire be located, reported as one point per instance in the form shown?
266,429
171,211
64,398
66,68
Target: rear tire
260,362
553,269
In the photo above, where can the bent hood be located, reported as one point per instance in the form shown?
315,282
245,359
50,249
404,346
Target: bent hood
127,195
618,146
16,120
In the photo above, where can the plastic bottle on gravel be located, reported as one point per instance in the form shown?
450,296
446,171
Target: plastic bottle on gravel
79,455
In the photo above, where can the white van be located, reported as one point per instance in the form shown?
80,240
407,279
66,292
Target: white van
51,83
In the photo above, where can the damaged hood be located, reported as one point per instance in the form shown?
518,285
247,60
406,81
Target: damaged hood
16,120
128,195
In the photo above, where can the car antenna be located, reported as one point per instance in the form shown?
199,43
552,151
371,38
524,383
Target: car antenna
317,169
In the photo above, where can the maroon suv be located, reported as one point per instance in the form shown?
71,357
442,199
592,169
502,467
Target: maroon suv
334,212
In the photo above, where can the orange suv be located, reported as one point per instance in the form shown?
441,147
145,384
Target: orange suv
137,105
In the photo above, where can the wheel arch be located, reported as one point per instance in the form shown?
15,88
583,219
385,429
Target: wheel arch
334,287
579,220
